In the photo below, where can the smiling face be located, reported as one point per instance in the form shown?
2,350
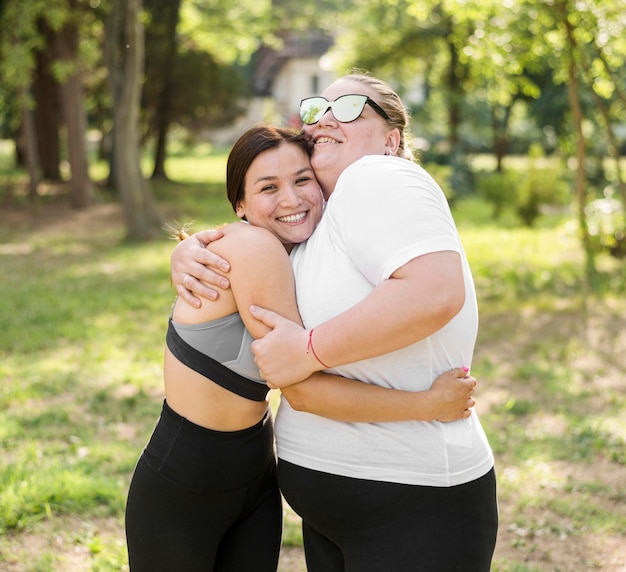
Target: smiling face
337,145
282,194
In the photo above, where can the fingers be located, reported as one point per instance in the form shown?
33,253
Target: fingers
207,257
461,372
269,318
187,296
208,236
191,289
203,274
470,380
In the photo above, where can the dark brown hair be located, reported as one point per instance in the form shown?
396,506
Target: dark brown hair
247,148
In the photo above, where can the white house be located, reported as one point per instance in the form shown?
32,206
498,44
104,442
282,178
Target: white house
281,79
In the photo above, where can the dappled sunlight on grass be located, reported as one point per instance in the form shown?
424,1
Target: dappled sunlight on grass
84,317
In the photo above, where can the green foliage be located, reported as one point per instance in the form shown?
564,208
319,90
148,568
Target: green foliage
526,191
442,175
453,172
607,226
542,185
230,31
498,189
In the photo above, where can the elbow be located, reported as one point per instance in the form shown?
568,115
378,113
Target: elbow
455,303
295,398
449,305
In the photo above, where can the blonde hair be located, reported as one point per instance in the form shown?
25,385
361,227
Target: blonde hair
390,101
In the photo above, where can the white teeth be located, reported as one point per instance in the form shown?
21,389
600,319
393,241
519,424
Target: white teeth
292,218
324,140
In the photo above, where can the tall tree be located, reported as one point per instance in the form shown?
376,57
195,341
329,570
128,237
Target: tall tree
195,54
125,57
74,113
47,111
22,37
577,119
164,47
27,129
18,41
503,50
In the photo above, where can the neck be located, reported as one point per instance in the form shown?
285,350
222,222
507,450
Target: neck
328,185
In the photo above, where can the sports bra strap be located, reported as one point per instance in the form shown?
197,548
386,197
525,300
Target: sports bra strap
212,369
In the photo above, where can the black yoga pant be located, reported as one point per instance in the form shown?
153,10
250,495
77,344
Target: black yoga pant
203,500
358,525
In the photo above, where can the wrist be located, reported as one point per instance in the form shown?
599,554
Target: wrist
310,349
427,405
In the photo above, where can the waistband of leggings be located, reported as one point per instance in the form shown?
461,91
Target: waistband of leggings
190,425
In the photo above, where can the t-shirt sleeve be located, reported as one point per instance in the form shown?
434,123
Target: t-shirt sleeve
389,212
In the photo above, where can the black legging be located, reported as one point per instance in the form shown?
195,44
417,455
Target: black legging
358,525
203,500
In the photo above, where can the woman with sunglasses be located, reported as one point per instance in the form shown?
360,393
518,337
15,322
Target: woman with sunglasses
204,494
385,292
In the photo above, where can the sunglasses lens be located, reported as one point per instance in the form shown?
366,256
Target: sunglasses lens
312,109
345,108
348,107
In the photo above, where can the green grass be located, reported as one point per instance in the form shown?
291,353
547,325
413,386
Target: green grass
82,322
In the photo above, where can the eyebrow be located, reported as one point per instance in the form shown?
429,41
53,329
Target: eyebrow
273,177
303,170
262,179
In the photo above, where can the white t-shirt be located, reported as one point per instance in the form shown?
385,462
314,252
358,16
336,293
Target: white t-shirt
384,212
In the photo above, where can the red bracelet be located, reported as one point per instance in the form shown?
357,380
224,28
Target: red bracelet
312,349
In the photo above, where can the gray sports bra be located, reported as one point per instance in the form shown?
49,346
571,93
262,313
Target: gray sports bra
226,340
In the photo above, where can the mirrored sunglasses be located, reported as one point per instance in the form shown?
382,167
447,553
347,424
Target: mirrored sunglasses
345,108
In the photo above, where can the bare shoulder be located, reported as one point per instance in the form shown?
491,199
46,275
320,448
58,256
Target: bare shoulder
243,230
244,240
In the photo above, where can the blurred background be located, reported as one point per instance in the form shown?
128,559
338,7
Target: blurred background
116,117
544,79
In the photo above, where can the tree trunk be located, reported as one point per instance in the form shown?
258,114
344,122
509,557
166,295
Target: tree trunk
500,128
454,98
581,176
29,138
47,112
75,118
125,70
163,109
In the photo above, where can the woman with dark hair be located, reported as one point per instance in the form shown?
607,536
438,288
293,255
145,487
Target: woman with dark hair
204,494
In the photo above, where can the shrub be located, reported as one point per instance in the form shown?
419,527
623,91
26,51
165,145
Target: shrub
607,226
455,177
441,174
542,185
498,189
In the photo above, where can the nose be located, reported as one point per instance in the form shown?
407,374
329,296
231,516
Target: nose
290,197
327,117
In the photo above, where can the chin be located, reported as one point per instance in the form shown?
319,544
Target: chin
300,238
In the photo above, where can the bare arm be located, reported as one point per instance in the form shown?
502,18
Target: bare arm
194,267
450,398
420,298
262,274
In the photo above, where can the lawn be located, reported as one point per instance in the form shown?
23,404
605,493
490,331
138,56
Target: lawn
82,322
